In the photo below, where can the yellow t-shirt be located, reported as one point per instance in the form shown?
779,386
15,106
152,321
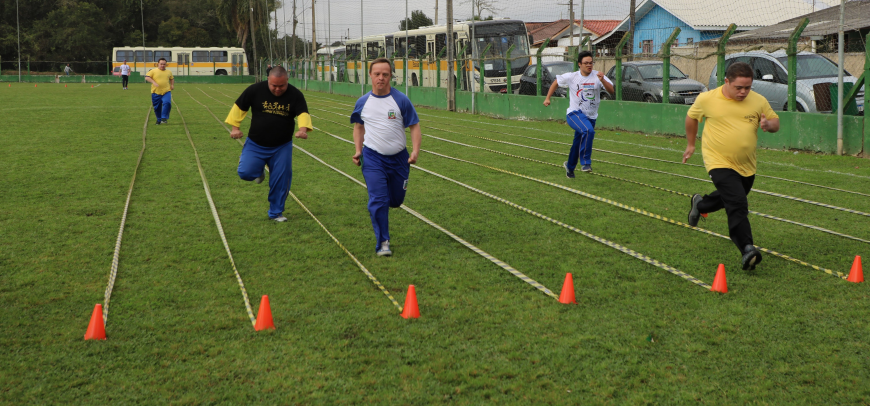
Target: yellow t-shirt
731,129
162,77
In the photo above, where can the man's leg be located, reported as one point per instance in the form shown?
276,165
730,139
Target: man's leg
586,146
280,177
397,180
157,102
732,190
582,127
167,105
379,194
124,81
252,162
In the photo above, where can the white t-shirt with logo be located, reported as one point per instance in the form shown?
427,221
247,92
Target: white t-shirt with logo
125,70
584,92
385,119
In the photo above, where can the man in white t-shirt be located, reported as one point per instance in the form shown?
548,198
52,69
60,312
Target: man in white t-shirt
584,89
125,74
379,121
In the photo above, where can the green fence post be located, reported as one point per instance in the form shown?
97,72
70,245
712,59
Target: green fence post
791,51
108,65
420,76
665,53
460,69
575,52
618,68
483,67
584,42
438,57
323,69
356,71
720,64
539,69
213,67
29,79
508,73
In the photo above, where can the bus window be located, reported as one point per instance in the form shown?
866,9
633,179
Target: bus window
390,49
421,44
218,56
163,54
124,56
148,57
440,43
412,47
372,51
400,47
200,56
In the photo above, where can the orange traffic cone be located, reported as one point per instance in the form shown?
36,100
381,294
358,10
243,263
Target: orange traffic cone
92,86
856,274
96,328
411,311
35,85
264,317
719,283
64,85
567,295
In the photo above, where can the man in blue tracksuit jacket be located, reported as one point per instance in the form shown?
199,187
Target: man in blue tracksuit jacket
379,121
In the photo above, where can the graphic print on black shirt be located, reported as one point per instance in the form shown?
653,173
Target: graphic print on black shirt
274,118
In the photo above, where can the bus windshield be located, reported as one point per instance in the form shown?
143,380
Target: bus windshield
492,41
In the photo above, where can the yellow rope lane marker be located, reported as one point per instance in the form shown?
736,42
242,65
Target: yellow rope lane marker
621,153
217,221
359,264
768,216
113,271
606,242
431,223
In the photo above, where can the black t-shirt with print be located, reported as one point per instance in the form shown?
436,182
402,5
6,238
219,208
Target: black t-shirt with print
274,118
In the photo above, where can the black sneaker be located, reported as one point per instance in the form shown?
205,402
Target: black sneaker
569,173
694,213
751,257
158,122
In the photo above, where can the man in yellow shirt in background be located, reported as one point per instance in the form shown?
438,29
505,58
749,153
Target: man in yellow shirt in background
162,83
734,113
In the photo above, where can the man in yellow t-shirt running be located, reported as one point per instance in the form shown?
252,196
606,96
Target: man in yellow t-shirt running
733,113
162,83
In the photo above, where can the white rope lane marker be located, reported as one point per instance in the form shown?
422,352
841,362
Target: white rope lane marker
217,220
113,271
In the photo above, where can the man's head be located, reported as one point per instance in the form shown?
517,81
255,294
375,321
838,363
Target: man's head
381,71
278,81
125,61
738,81
584,61
161,64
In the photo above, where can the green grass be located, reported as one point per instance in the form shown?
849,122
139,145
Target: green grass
177,327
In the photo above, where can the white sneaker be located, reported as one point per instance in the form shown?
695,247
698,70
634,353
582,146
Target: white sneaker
279,219
258,180
385,249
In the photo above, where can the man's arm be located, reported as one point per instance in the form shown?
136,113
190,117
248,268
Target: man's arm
691,134
359,132
416,138
606,83
550,92
172,84
305,126
770,125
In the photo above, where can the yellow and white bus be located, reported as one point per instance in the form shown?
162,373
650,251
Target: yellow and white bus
492,39
331,54
183,61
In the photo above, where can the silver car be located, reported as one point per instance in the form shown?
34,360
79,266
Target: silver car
771,80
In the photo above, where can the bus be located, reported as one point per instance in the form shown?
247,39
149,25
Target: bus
492,39
330,55
183,61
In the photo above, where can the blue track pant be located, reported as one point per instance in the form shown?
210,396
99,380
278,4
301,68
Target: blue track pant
162,105
387,180
280,160
584,133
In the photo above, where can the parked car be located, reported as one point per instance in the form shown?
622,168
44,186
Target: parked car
116,71
642,81
771,77
529,80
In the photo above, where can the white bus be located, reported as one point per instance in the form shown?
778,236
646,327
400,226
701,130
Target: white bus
183,61
494,37
331,54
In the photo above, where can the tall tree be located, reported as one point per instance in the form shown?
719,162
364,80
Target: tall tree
418,19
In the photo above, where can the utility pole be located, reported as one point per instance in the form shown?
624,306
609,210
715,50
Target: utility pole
631,20
840,40
571,22
436,11
253,42
582,7
451,81
293,44
313,32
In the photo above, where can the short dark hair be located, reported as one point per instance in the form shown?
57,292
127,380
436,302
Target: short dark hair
738,70
381,60
584,54
277,72
161,59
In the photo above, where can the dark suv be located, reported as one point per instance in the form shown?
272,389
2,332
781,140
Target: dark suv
642,81
529,80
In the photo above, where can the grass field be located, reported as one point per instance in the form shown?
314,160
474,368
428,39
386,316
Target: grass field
178,331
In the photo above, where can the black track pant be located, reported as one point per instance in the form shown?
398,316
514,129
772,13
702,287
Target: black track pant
730,194
124,79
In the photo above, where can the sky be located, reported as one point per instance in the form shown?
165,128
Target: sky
337,19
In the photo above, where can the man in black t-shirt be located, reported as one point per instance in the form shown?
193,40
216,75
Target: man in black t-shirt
275,105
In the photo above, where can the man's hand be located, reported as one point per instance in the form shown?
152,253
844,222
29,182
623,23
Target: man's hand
765,125
171,87
302,133
547,101
413,158
356,158
236,133
690,149
601,76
